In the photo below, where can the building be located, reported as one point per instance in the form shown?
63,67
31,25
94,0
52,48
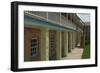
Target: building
51,35
87,31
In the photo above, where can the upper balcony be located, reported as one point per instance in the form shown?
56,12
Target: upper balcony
67,20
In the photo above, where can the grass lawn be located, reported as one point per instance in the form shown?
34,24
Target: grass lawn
86,52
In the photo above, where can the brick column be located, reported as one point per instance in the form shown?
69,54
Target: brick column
44,51
58,44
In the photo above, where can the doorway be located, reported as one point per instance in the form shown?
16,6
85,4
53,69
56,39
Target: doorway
52,45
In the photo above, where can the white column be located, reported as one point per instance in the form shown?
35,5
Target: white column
74,40
65,43
58,44
69,41
44,51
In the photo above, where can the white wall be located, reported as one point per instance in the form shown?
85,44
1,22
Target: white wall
5,35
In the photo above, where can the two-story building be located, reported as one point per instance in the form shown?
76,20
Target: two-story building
51,35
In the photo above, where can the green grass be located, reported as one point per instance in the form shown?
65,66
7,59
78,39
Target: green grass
86,51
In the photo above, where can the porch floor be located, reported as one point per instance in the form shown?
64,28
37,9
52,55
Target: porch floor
76,53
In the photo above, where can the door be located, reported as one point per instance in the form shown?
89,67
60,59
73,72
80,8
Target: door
63,55
31,44
52,45
69,42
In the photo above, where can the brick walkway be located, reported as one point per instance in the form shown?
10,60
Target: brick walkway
75,54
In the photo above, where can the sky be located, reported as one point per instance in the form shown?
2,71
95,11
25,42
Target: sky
84,17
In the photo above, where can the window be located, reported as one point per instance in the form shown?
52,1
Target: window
34,46
54,17
41,14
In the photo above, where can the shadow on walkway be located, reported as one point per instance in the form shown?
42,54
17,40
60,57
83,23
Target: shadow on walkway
74,54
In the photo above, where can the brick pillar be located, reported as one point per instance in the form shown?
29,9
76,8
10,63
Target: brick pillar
58,44
44,51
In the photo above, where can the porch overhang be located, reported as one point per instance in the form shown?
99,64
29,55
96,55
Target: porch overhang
29,20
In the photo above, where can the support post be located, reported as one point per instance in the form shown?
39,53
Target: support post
44,51
58,44
65,43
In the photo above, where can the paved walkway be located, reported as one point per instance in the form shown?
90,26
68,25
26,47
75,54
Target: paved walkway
74,54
